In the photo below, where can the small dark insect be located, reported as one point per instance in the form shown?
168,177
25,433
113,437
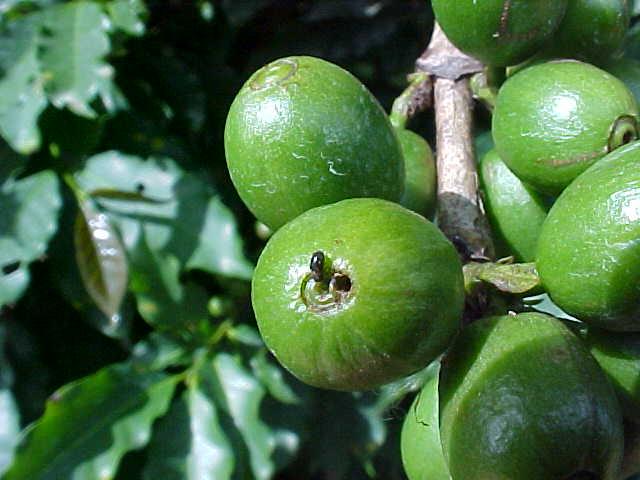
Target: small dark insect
317,266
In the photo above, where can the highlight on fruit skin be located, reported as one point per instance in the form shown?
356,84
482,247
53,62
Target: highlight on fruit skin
383,301
550,122
522,398
303,132
588,253
499,32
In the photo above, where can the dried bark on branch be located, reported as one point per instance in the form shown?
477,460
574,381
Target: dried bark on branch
460,212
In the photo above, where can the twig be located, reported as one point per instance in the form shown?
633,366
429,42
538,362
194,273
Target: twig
460,212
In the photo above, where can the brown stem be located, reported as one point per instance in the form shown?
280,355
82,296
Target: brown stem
460,212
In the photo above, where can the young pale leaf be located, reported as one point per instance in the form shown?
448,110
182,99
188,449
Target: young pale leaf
90,424
22,97
513,278
189,222
127,15
65,277
74,80
29,210
101,259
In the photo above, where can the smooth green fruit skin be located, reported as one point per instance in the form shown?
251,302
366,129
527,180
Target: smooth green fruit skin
499,32
553,120
589,248
619,356
627,70
420,174
516,211
592,30
303,132
422,455
403,308
521,398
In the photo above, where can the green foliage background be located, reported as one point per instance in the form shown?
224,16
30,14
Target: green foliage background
128,348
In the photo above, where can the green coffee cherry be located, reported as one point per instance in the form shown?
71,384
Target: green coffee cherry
353,295
551,121
592,30
589,248
303,132
420,174
522,398
422,455
619,356
499,32
516,212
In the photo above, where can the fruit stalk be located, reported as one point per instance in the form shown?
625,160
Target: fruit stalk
460,212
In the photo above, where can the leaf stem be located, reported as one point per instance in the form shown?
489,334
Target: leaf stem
414,98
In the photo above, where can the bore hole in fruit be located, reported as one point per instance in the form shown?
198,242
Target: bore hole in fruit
628,137
9,268
340,283
623,131
583,475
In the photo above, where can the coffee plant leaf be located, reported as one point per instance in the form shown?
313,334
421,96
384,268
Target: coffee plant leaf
29,209
70,441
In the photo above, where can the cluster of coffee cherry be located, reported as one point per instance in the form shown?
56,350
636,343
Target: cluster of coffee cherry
357,287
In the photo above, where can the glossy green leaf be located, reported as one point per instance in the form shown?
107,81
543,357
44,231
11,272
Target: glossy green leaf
231,422
90,424
29,210
9,414
9,427
272,378
72,51
240,396
191,223
163,300
190,442
158,352
127,15
101,259
6,6
347,428
22,97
